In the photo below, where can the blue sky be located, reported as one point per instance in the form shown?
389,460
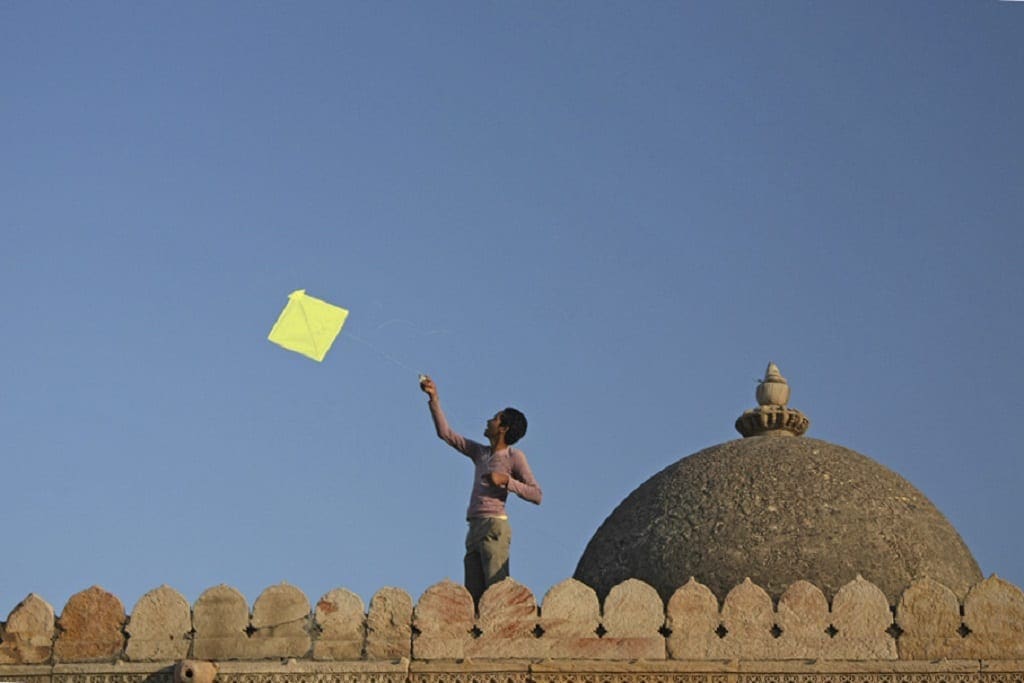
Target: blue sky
611,215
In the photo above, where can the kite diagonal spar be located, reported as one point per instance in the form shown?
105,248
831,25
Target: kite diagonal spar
308,325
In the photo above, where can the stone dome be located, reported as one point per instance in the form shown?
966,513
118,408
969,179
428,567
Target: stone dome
776,508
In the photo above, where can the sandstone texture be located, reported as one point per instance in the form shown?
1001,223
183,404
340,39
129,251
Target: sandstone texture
445,620
535,671
747,620
91,627
27,637
572,625
994,620
160,626
508,617
570,622
389,625
928,614
220,619
280,624
632,618
862,619
692,619
340,618
803,622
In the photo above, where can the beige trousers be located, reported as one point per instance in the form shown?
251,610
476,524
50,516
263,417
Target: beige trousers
487,546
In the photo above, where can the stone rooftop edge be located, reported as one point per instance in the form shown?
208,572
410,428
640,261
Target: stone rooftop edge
928,623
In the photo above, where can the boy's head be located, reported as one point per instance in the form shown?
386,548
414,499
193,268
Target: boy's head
515,423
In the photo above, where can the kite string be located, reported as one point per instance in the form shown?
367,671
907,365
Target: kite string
383,355
414,326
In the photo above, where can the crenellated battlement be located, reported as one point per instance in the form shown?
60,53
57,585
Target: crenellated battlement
633,623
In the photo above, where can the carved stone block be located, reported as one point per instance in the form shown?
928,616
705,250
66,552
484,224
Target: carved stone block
28,634
444,619
633,617
570,610
507,620
569,618
994,613
486,671
747,617
692,618
928,614
340,617
803,621
389,625
862,617
159,627
220,619
90,627
281,623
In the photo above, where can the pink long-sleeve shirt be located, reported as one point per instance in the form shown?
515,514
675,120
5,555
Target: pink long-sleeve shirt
485,499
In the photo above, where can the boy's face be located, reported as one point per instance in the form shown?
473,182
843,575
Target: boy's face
494,427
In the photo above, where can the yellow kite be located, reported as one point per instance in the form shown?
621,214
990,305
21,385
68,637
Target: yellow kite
308,325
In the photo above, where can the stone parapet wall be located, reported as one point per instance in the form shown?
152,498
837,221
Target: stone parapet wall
548,671
633,623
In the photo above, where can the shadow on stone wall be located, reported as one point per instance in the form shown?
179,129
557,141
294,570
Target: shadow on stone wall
927,623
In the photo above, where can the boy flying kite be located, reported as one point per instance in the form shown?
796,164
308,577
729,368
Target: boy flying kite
497,469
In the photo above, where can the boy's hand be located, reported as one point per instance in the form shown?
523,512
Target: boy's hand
428,386
499,479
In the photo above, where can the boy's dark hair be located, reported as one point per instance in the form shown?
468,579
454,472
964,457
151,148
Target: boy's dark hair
516,423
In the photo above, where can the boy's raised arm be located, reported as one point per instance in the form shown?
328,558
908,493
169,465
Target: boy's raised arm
444,432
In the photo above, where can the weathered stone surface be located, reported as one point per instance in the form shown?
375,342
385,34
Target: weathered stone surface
27,637
633,609
692,617
305,671
279,605
507,610
342,622
569,621
265,671
389,625
862,617
929,615
748,617
548,671
444,618
91,627
570,610
994,613
632,616
636,671
281,619
998,669
778,510
471,671
803,619
507,619
220,618
159,627
29,673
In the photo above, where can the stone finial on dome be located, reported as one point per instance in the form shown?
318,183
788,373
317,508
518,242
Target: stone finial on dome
771,417
773,390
